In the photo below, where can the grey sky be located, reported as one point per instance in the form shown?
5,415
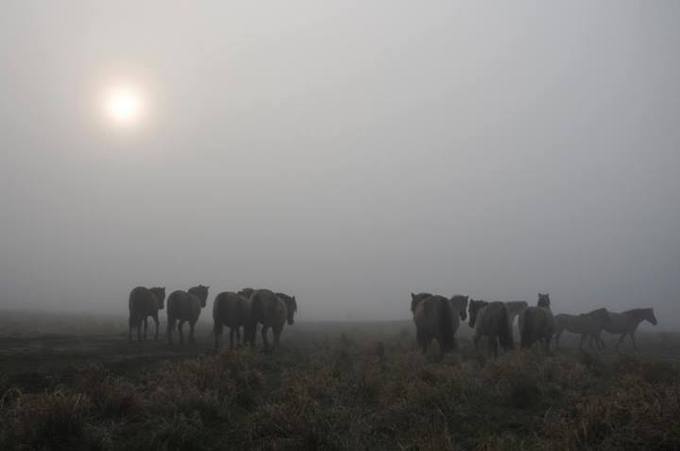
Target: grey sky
348,152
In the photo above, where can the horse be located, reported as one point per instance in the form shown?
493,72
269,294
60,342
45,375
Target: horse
271,310
437,317
232,310
144,302
537,323
491,319
589,325
626,323
515,309
185,306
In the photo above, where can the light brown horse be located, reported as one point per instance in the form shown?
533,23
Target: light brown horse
588,325
437,318
231,310
490,319
144,302
626,323
272,310
185,306
537,324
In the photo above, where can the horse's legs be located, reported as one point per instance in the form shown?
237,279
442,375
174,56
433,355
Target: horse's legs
146,325
493,346
155,320
557,339
191,332
264,338
237,331
181,332
580,344
217,333
632,338
618,343
130,326
171,326
277,335
475,340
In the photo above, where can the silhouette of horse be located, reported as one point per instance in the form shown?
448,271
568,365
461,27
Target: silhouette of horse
515,309
144,302
588,325
185,306
437,318
537,323
626,323
270,310
491,319
231,310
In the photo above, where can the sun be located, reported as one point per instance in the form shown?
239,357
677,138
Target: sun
123,104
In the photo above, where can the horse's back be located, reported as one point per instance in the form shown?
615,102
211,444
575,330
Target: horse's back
142,302
230,309
267,308
183,306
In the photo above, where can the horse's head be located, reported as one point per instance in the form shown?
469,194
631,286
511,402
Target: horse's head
460,303
649,316
159,292
417,298
543,300
291,306
201,292
475,307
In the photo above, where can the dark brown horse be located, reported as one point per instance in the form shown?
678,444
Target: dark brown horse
437,318
144,302
588,325
185,306
537,324
626,323
272,310
231,310
490,319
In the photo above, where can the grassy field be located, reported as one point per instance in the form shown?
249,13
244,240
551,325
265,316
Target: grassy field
74,382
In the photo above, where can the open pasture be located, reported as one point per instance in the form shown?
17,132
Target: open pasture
74,382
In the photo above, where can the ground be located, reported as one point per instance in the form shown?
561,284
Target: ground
74,382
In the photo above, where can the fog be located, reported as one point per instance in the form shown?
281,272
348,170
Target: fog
347,152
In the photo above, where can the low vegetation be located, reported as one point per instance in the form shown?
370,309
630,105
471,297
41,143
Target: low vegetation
350,393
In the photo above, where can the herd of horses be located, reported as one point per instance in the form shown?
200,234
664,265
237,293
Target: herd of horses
245,309
438,318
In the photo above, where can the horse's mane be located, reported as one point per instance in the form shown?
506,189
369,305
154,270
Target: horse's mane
417,298
637,311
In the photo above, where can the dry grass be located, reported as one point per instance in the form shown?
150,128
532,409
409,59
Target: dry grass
349,394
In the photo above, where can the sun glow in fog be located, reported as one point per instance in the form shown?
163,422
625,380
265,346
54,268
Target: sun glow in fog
124,105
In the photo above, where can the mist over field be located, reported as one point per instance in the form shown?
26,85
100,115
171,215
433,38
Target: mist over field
346,152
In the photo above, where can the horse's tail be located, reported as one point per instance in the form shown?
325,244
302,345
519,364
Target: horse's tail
446,325
505,331
527,325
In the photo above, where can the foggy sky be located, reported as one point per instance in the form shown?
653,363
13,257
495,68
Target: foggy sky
348,152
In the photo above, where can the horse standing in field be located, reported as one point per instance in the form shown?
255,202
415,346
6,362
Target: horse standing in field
231,310
437,317
144,302
589,325
537,323
271,310
185,306
626,323
491,319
